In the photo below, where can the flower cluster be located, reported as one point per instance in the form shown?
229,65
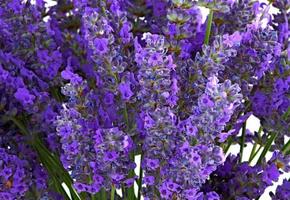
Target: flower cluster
240,14
214,109
89,86
105,151
240,180
14,176
282,192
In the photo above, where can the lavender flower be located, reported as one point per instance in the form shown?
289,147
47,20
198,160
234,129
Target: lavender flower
14,177
214,109
282,191
85,86
239,180
105,151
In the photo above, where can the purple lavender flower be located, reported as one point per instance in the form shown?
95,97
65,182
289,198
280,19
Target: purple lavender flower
14,176
105,151
215,108
23,96
283,191
240,14
239,180
125,91
101,45
99,82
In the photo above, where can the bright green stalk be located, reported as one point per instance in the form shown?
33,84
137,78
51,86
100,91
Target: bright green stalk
208,27
255,145
229,144
103,194
286,148
113,192
267,147
253,151
254,154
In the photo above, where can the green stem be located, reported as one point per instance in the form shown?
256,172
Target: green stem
254,155
56,94
113,192
93,196
124,194
208,27
103,194
54,166
130,191
242,141
255,145
230,142
286,148
140,178
18,123
267,147
253,151
286,114
126,116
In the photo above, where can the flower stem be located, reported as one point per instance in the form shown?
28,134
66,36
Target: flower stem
208,27
113,192
253,151
286,114
255,145
229,144
242,141
130,191
103,194
126,116
254,154
140,178
267,147
286,148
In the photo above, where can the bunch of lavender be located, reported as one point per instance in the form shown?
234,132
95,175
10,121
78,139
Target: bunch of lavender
281,21
22,176
105,159
234,180
184,23
255,56
271,105
158,92
29,57
29,62
187,165
214,110
14,176
87,85
240,14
